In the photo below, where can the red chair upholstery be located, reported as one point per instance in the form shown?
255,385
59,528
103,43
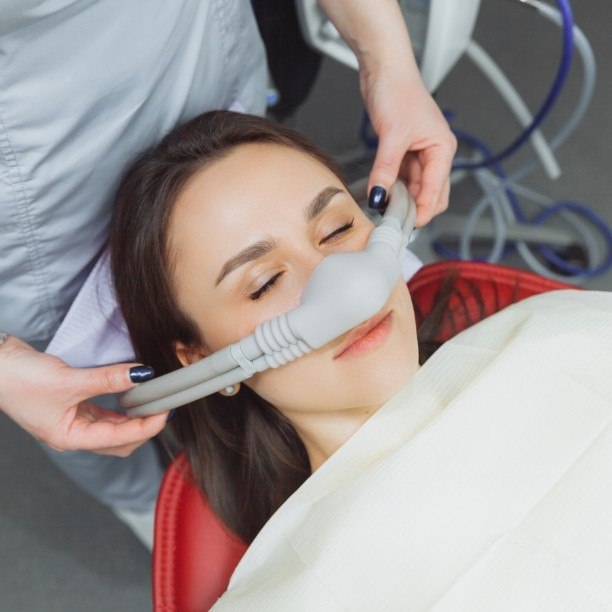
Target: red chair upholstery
194,554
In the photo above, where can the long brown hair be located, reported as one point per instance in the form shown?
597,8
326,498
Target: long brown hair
244,454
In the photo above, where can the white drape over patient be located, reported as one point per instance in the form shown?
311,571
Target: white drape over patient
485,484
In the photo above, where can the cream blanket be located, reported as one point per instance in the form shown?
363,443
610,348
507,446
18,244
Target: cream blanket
485,484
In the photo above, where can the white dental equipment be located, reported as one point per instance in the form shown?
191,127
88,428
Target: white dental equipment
344,290
440,31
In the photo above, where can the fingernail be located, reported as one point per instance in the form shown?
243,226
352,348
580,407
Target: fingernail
171,415
140,374
378,197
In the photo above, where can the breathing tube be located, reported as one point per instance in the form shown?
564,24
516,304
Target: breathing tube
345,289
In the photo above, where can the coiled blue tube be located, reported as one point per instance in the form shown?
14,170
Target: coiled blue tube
566,58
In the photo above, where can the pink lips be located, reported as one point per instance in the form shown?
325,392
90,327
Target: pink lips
367,336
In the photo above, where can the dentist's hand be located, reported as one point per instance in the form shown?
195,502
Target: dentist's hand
415,141
48,399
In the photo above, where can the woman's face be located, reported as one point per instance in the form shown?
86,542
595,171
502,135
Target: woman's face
245,235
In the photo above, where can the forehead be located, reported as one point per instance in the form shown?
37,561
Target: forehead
245,188
254,174
257,190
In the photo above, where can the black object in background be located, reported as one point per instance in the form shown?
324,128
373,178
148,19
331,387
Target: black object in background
293,64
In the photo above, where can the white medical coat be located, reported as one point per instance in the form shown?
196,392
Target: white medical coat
85,85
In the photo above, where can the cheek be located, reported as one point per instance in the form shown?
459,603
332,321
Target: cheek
225,326
302,384
321,384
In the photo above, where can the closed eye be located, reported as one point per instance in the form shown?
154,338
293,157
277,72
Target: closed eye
272,281
265,287
340,230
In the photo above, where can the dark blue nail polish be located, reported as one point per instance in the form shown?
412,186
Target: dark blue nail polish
171,415
378,197
140,374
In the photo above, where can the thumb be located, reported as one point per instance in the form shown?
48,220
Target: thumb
112,379
389,156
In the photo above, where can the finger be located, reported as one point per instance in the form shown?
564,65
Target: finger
443,202
110,379
410,172
440,206
389,156
93,413
436,164
106,433
119,451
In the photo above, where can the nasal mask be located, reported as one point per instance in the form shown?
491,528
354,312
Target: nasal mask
345,290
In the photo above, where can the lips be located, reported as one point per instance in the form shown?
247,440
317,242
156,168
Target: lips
361,331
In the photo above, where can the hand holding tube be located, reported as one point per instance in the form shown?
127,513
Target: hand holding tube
415,141
48,399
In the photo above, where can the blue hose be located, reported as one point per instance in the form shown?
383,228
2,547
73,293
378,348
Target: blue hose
495,166
472,141
493,161
544,250
595,219
565,10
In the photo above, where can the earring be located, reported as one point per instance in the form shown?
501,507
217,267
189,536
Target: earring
230,390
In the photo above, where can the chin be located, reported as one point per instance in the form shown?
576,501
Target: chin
380,385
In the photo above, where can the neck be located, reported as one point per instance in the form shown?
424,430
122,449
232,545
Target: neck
323,433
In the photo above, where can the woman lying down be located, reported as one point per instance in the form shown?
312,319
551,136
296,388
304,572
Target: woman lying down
481,480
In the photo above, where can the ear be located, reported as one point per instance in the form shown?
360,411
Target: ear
189,354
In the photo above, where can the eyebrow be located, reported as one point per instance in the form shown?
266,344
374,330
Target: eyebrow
262,247
254,251
320,201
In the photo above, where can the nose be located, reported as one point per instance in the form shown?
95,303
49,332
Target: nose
308,259
308,264
311,256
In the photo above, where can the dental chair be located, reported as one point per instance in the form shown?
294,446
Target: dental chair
194,553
